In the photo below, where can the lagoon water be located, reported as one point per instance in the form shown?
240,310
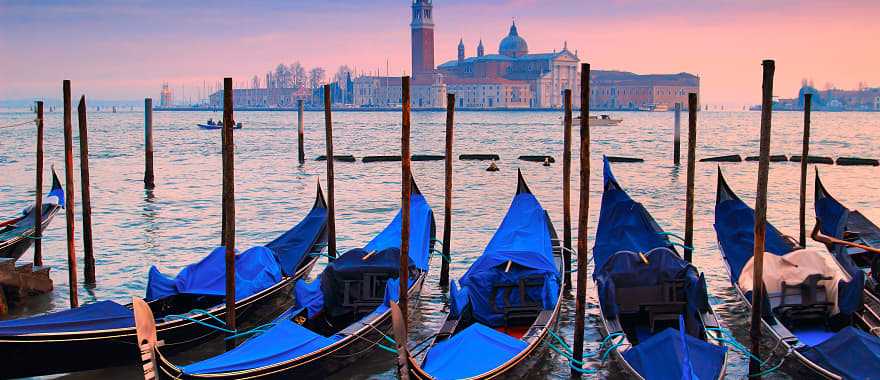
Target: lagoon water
179,222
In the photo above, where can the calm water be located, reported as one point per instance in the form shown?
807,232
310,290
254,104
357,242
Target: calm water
179,222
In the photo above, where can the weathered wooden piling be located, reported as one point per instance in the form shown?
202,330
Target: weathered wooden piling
68,199
300,132
331,208
566,189
584,211
149,177
761,219
808,105
447,205
406,186
691,167
229,205
88,249
676,145
38,203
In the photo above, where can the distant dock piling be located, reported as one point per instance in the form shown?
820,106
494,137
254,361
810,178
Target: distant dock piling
38,191
149,177
229,205
676,145
566,189
808,105
88,248
331,208
301,154
447,204
68,199
583,218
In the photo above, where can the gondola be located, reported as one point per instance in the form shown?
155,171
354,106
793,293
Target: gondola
834,336
338,318
837,221
16,234
102,334
508,302
653,304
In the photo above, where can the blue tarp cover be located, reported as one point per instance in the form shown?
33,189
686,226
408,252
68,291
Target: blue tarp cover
831,213
624,224
102,315
421,222
255,269
473,351
309,295
524,239
291,247
653,358
851,353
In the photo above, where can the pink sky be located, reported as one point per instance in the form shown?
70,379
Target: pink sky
113,51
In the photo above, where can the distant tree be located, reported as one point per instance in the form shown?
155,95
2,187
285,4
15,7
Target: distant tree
316,77
255,82
298,75
283,77
341,74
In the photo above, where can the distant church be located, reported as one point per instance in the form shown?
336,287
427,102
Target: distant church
512,78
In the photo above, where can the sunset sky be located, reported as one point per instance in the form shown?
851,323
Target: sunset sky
112,50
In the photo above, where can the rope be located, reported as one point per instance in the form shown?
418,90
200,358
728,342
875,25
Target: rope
203,323
727,337
19,124
437,241
671,234
444,257
578,365
682,245
256,330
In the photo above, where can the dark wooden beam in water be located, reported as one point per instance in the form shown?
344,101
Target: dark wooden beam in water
691,167
813,159
68,199
761,218
728,158
38,202
857,161
331,208
479,157
406,187
300,135
808,104
229,204
149,176
88,248
583,218
337,157
566,188
447,204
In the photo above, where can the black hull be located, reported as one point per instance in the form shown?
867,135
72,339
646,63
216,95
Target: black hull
44,354
15,248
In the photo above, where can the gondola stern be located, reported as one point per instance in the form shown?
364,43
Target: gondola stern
414,187
320,202
521,186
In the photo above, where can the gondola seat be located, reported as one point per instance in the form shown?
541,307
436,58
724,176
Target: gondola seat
522,310
802,302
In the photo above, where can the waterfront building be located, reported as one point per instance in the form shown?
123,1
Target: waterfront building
263,97
166,96
833,99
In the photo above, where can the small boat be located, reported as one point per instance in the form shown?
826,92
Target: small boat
339,318
102,334
508,302
210,124
654,305
600,121
837,221
16,233
814,308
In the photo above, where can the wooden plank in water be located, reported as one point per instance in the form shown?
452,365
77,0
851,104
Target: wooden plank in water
773,158
537,158
857,161
624,159
813,159
427,157
478,157
728,158
368,159
337,157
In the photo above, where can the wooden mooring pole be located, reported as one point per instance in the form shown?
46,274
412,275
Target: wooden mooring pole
761,218
566,190
406,185
88,249
229,205
301,154
583,217
38,203
691,168
149,177
331,208
676,145
447,204
808,105
68,198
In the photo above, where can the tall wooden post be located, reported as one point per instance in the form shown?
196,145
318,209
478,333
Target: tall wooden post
406,183
566,189
229,204
88,249
676,145
149,177
38,203
68,199
300,132
583,217
691,167
447,206
331,208
808,105
761,217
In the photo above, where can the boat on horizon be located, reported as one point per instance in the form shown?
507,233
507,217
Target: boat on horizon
600,120
210,124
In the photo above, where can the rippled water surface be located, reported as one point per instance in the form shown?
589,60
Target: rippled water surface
179,222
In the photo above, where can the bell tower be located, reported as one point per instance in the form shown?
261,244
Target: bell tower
422,27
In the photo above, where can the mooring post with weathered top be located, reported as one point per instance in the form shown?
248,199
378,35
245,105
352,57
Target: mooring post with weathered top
691,168
68,198
761,219
301,154
808,105
331,207
88,249
583,215
566,189
229,205
676,145
149,177
447,204
38,203
406,185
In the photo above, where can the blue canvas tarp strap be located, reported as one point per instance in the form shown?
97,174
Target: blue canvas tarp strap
420,233
850,293
473,351
662,356
851,353
102,315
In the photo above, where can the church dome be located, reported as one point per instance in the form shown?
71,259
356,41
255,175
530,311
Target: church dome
513,45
